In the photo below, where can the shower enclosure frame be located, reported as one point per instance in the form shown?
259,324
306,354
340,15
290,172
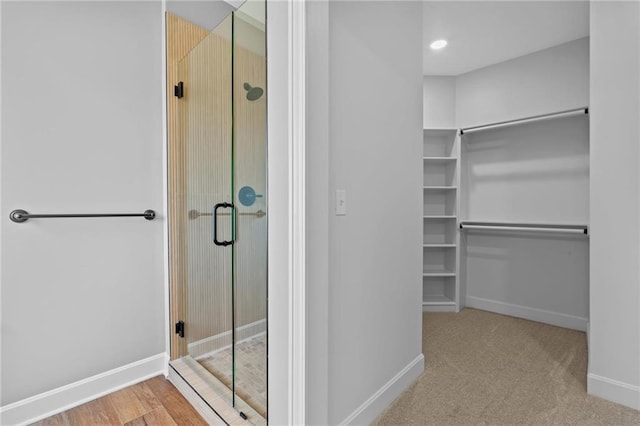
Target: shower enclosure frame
286,70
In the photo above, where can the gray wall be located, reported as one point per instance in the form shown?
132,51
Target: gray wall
555,79
614,358
439,96
319,209
81,132
530,173
375,101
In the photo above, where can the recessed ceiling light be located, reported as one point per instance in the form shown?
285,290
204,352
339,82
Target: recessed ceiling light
438,44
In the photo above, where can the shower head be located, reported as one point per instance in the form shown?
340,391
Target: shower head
253,93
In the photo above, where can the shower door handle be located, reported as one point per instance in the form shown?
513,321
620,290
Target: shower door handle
215,223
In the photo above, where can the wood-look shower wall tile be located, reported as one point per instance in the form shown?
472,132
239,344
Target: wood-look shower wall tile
199,141
182,36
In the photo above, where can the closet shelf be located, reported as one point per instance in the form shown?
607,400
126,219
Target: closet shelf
440,159
440,188
438,245
432,300
436,216
438,274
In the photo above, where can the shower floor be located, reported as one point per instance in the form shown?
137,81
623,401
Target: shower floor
251,370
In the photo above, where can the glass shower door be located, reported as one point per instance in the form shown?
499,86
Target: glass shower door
222,116
205,115
250,185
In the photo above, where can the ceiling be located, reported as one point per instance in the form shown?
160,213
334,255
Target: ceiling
482,33
209,14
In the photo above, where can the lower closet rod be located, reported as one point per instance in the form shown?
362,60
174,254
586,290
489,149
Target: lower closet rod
571,229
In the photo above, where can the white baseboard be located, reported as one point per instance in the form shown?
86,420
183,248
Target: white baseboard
207,346
47,404
613,390
194,399
532,314
376,404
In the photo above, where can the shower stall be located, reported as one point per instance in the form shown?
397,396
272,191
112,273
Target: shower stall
217,207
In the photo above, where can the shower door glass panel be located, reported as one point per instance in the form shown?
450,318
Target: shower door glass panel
206,136
250,184
222,115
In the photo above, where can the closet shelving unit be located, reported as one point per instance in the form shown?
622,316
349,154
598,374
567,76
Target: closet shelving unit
441,177
445,218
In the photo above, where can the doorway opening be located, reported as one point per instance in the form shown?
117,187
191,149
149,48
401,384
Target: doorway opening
217,110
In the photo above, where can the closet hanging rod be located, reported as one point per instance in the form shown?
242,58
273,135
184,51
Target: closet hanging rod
528,227
567,113
20,216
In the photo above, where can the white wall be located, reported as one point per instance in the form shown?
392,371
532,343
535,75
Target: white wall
551,80
439,95
614,359
530,173
536,172
81,132
375,101
319,209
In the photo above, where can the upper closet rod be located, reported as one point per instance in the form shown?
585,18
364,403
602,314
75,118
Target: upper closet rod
568,113
20,216
529,227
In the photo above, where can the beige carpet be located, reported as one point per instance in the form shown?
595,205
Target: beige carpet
484,368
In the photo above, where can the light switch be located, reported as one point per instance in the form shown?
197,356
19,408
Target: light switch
341,202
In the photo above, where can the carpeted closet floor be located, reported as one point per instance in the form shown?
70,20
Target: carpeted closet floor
485,368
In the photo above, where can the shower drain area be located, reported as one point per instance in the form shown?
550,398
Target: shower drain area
250,370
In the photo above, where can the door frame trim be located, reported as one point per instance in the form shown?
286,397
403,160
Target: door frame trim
165,186
297,284
286,121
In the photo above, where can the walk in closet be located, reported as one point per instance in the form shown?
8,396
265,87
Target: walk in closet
506,160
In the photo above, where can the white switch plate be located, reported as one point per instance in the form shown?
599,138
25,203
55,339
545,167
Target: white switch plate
341,202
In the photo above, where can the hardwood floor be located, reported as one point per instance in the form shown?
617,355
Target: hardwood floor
153,402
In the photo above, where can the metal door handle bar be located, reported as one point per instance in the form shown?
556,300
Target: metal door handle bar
215,223
20,216
528,227
194,214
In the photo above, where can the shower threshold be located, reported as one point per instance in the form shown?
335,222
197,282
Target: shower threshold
214,393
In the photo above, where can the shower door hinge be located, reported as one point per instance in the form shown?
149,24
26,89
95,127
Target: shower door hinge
178,90
180,328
